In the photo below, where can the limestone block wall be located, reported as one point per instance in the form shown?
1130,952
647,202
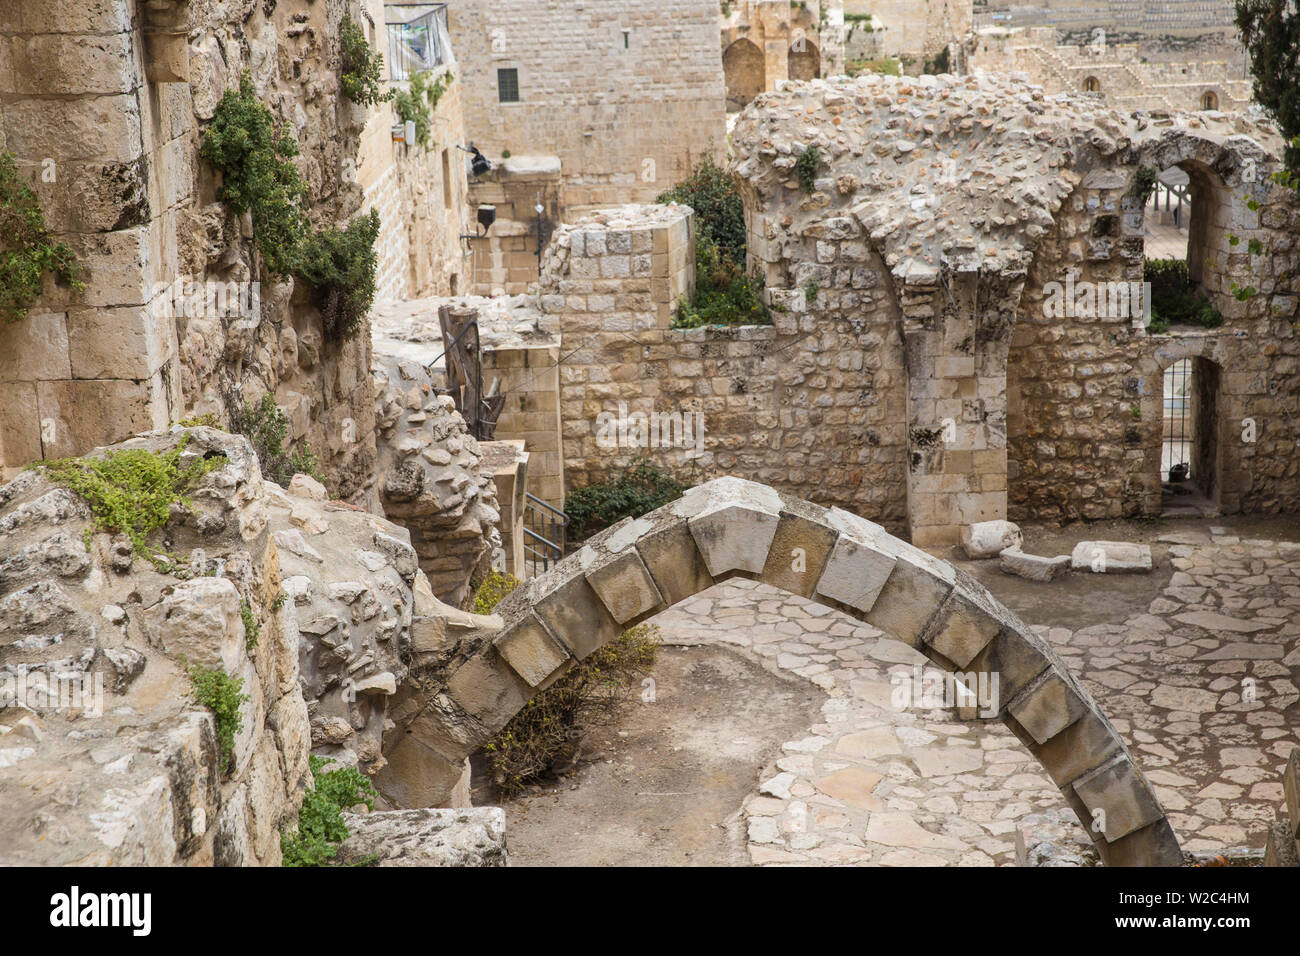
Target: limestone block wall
505,261
1125,74
767,41
907,27
813,402
530,376
104,109
628,97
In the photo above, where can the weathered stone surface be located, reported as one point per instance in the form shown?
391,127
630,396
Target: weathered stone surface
1032,566
470,837
1111,557
1118,797
988,539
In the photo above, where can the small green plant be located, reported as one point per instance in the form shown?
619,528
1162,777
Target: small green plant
505,154
321,827
266,425
805,168
362,69
811,290
251,628
207,420
223,695
279,602
417,103
28,250
1136,411
1144,183
494,587
639,488
549,728
886,66
132,491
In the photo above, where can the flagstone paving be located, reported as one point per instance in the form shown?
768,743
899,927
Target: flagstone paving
1203,687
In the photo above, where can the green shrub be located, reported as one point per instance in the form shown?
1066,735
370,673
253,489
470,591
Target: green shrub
640,488
221,694
590,693
265,426
493,589
259,177
340,265
255,160
719,212
724,294
1144,183
320,822
361,69
132,491
28,251
1175,300
886,66
805,168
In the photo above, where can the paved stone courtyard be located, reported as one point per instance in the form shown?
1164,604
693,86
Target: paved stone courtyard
876,784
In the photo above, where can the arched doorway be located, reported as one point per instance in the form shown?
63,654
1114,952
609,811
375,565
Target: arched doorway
744,70
1091,84
1209,100
729,528
1190,443
805,60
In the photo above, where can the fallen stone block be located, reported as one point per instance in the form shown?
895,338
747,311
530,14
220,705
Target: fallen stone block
1111,557
426,837
988,539
1032,566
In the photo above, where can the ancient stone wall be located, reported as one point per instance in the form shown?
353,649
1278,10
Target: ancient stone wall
628,98
767,41
906,27
506,260
1123,74
105,107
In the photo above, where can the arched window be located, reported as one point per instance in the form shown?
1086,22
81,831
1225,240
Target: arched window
1091,84
1209,100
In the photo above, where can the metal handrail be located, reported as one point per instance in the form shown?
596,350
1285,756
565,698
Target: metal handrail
538,502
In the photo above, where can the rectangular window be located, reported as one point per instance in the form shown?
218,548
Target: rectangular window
508,86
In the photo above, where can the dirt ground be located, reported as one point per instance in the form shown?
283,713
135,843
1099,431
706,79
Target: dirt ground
664,785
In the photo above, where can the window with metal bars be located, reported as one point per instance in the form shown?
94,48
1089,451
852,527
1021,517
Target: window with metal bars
1177,453
508,85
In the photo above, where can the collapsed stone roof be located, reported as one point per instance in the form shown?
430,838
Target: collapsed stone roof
946,172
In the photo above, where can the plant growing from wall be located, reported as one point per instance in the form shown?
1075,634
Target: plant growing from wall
417,103
321,827
341,266
223,695
361,69
251,628
724,293
259,177
266,426
132,491
805,168
639,488
28,250
494,587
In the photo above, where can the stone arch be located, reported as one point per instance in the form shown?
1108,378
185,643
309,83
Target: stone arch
805,60
1091,84
1209,100
733,528
745,73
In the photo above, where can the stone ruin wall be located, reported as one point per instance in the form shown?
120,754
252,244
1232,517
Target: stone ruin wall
908,27
911,372
585,98
1129,79
115,94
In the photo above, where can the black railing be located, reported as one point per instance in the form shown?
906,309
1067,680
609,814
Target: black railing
544,528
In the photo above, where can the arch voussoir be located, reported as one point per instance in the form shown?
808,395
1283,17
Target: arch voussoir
730,527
